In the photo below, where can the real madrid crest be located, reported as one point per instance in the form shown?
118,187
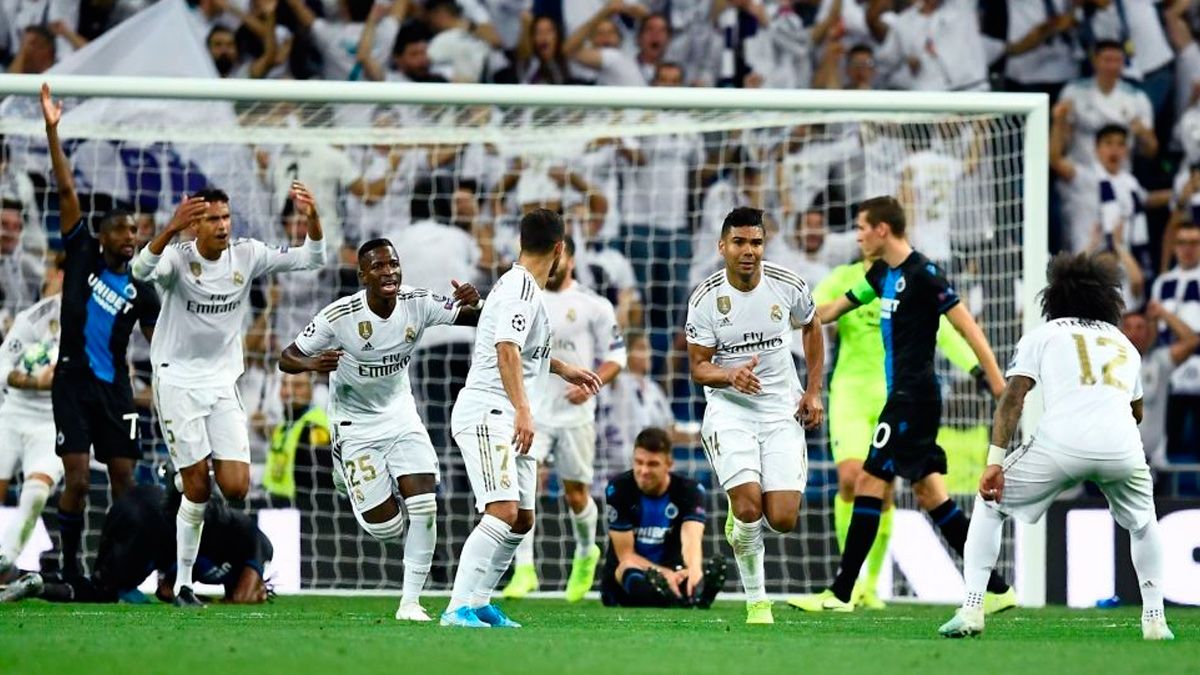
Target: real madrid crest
571,314
724,304
410,334
776,313
364,330
238,278
195,268
504,481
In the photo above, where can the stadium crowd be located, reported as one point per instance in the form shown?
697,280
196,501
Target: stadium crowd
1123,76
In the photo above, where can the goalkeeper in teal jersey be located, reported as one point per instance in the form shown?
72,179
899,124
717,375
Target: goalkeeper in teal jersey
857,393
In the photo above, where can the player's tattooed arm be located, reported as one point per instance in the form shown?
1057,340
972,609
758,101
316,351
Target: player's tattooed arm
1008,411
293,361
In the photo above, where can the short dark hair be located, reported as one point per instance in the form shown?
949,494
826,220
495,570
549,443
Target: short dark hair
541,230
1188,225
370,245
448,5
218,29
43,32
112,217
211,195
411,32
884,209
646,22
860,48
359,10
743,216
653,439
11,204
1084,286
1111,130
1102,45
569,245
663,65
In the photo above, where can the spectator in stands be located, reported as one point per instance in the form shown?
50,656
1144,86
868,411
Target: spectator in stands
655,530
20,273
337,42
410,55
597,45
1159,361
935,45
801,249
861,73
654,36
1041,46
633,401
300,443
458,51
779,53
37,52
695,42
1103,99
223,47
1135,25
539,57
1178,291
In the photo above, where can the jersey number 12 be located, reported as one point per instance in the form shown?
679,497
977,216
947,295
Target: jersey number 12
1086,375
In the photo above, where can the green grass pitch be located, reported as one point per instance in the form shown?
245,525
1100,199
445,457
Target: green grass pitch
356,636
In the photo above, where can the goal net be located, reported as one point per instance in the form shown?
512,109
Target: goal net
643,178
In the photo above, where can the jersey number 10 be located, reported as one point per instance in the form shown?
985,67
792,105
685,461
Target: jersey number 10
1086,375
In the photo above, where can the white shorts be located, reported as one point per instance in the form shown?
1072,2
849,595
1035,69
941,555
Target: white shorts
497,473
773,454
202,421
27,443
370,468
1035,474
573,449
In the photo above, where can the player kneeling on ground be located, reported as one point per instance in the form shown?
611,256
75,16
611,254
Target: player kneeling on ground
1092,392
655,526
139,536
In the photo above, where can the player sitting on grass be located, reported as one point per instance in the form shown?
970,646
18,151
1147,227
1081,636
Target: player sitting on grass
365,341
1092,393
139,536
913,294
655,527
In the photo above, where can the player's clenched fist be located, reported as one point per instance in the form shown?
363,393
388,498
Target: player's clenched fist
991,484
743,378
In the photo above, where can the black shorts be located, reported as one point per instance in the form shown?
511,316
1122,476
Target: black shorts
905,441
91,413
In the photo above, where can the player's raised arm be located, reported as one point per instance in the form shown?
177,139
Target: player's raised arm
312,254
69,211
148,262
960,317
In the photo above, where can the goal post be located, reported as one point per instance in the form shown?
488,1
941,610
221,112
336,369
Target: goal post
146,141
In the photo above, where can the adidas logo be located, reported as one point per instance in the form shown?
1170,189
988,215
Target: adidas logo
367,347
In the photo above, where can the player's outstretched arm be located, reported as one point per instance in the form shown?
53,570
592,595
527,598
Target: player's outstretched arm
833,310
69,210
294,361
1004,425
578,376
469,301
960,317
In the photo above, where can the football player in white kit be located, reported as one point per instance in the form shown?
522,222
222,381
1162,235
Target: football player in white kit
739,333
492,421
586,332
366,341
28,441
197,351
1092,393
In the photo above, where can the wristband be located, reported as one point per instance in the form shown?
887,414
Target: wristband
996,455
478,306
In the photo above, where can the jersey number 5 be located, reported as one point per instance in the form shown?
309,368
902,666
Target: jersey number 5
1086,375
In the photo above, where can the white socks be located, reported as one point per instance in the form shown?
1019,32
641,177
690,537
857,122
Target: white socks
501,558
418,545
189,524
585,528
525,550
1145,547
980,551
475,559
748,551
34,494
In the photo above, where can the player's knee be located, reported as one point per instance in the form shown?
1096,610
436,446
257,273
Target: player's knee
782,522
524,521
576,495
928,496
747,510
76,483
389,530
868,485
237,490
504,511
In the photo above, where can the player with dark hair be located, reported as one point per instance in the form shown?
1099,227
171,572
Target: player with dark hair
740,327
493,423
91,392
913,294
197,350
138,538
365,341
1092,392
655,529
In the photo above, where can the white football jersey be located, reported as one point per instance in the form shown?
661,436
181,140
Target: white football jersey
369,393
1089,373
515,312
741,325
198,339
36,324
934,178
585,334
